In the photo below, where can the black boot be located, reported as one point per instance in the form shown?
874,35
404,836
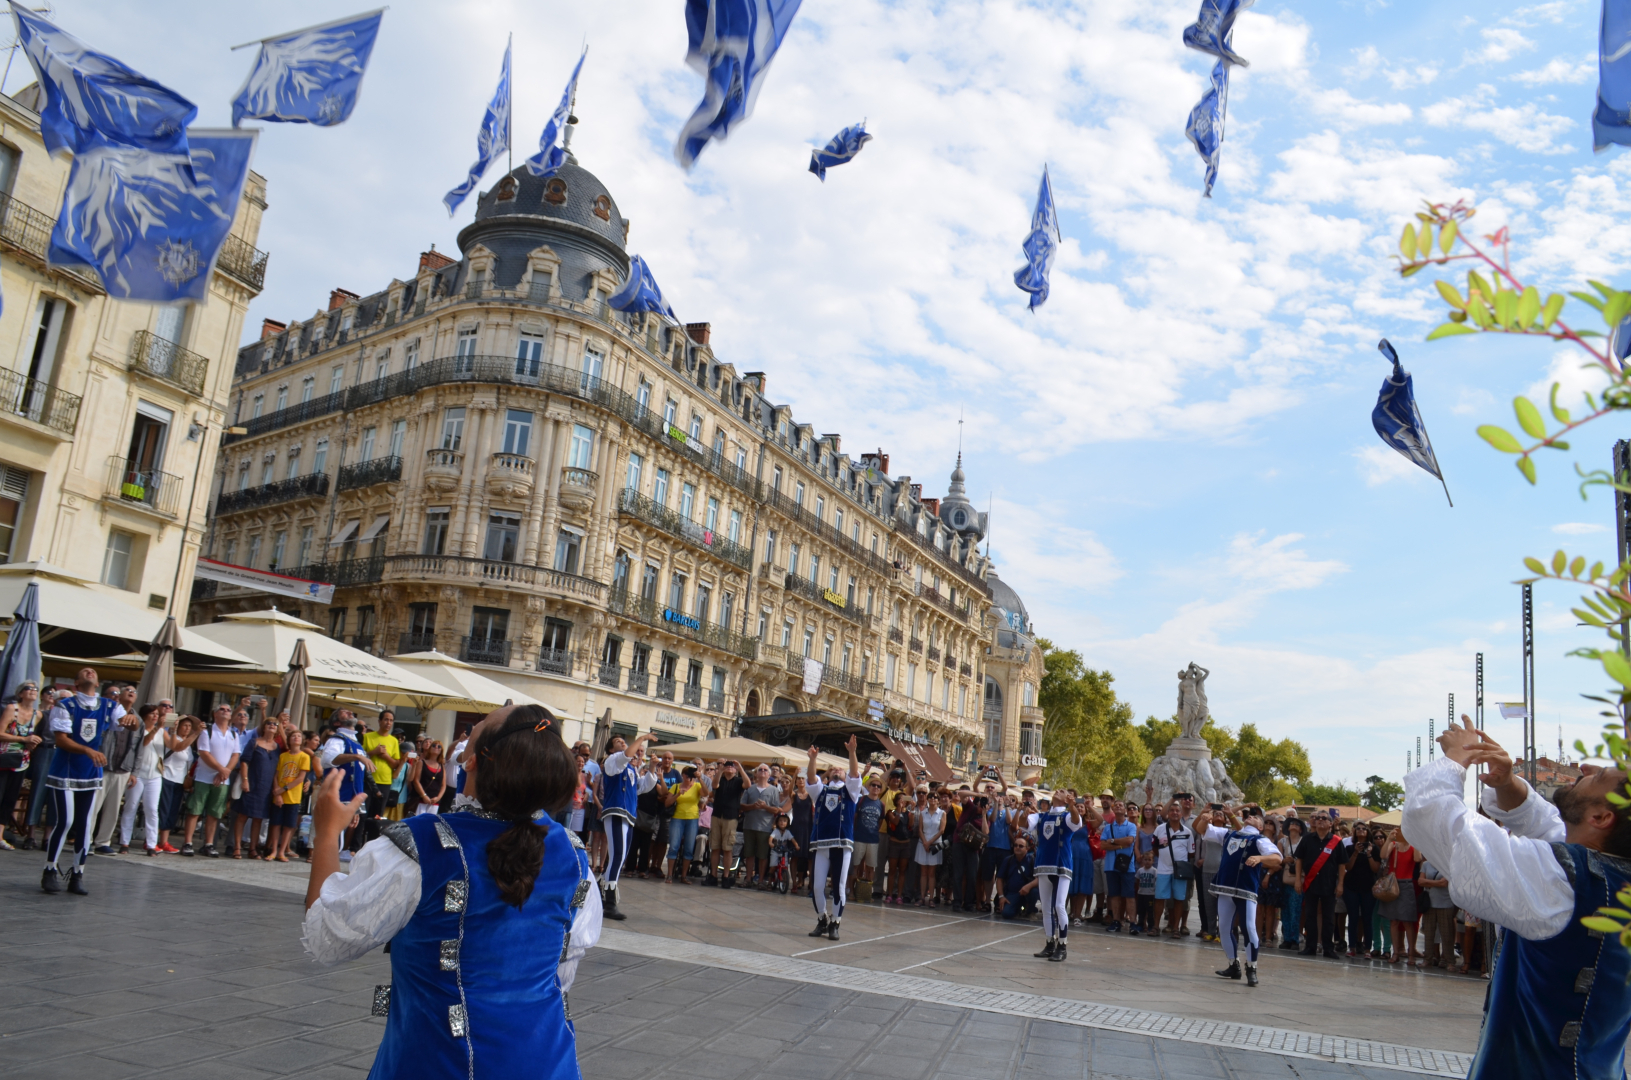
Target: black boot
1058,954
1232,971
608,906
1251,974
51,882
1048,950
821,928
832,930
76,883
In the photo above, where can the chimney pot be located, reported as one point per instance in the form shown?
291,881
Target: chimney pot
698,332
339,298
272,328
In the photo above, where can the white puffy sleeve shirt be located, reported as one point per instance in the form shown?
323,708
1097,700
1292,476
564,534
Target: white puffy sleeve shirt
362,910
1513,879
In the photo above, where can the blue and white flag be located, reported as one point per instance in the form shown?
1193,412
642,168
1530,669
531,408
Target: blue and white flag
1611,123
151,225
1040,246
551,153
731,42
1398,421
840,150
640,292
492,140
309,76
1212,32
92,98
1205,127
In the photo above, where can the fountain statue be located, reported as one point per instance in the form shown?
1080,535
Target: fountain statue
1188,764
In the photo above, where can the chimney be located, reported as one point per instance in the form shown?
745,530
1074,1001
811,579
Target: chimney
879,461
931,505
339,298
433,260
831,440
917,489
272,328
698,332
757,378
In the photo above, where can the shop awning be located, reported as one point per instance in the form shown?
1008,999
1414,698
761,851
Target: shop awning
346,533
813,723
919,757
376,528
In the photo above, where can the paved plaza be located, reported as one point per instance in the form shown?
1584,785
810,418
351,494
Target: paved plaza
193,968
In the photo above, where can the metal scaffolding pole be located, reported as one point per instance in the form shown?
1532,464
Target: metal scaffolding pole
1529,752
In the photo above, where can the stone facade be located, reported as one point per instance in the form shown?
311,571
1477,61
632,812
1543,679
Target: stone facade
110,408
486,459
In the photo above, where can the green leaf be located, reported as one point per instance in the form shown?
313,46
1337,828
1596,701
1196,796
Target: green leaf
1476,281
1588,298
1424,241
1588,618
1451,329
1554,308
1480,312
1529,416
1412,271
1506,308
1527,467
1577,566
1535,564
1606,290
1617,308
1558,444
1500,438
1446,236
1451,296
1407,243
1602,925
1560,562
1458,316
1596,570
1528,307
1559,413
1615,663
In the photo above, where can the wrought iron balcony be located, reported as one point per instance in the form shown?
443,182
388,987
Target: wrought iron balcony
243,261
25,228
38,401
344,573
636,505
159,492
915,645
934,655
665,688
807,520
639,682
965,671
895,635
485,650
364,474
310,486
716,701
693,695
653,614
163,359
491,572
555,661
826,597
608,675
365,642
830,675
416,642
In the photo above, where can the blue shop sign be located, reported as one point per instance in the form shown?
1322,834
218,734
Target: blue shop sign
670,615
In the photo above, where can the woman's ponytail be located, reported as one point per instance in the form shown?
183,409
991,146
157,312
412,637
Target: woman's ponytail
514,858
525,768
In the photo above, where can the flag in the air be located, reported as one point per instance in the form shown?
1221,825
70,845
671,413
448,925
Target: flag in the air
732,43
492,139
1041,245
551,153
640,292
1398,420
1205,127
840,150
1611,123
1212,32
309,76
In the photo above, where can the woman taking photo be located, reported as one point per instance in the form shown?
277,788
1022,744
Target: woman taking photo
429,780
1271,892
686,799
17,741
258,769
488,912
1356,885
177,773
1400,859
902,825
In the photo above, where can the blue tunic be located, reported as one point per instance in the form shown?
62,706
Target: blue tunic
354,774
620,790
90,723
834,825
1234,877
475,986
1562,1007
1053,831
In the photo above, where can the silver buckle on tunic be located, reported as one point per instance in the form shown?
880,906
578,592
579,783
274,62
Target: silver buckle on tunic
457,893
382,1000
457,1022
450,955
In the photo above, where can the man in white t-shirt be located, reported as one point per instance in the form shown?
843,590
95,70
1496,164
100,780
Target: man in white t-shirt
1174,848
218,753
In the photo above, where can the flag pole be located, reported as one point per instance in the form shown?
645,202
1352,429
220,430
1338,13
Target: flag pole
509,127
1429,439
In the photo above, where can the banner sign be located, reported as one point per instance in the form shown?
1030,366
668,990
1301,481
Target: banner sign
265,581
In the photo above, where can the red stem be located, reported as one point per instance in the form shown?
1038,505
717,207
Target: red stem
1608,362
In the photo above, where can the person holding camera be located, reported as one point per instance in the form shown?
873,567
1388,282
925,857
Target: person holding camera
1174,869
999,829
931,826
1247,856
1018,877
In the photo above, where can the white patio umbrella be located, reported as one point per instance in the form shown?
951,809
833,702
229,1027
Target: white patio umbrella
462,686
268,639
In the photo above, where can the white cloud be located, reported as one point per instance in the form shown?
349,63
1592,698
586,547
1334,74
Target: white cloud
1559,70
1501,43
1525,127
1345,107
1575,375
1368,61
1579,528
1274,565
1381,464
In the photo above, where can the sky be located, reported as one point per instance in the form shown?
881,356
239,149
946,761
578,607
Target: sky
1177,448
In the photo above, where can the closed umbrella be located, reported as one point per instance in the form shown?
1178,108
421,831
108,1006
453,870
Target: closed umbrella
292,695
159,676
603,735
20,659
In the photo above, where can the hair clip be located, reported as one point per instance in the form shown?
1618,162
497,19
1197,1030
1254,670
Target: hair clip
545,724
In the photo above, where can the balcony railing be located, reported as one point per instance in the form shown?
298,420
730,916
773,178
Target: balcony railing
452,460
716,701
364,474
665,688
932,595
636,505
164,359
157,491
805,519
243,261
608,675
365,642
511,464
310,486
344,573
965,671
485,650
895,635
24,227
682,625
693,695
38,401
828,599
412,642
489,572
830,675
934,655
555,661
915,644
639,682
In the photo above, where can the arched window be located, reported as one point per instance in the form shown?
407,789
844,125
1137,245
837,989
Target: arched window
1030,694
957,755
993,714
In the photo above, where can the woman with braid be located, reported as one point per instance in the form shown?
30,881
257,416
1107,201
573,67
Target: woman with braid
488,910
1247,856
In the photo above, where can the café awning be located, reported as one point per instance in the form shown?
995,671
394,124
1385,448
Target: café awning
919,757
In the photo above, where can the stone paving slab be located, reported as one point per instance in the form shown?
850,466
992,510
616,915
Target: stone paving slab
186,975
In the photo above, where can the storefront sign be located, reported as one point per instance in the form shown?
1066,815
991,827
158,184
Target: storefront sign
1035,760
264,581
670,615
833,598
674,719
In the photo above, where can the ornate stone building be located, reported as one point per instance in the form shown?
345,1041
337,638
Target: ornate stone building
111,409
486,459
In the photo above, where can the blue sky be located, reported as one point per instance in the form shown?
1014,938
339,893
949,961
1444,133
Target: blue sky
1177,448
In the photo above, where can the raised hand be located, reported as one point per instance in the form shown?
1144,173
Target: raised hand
1460,742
